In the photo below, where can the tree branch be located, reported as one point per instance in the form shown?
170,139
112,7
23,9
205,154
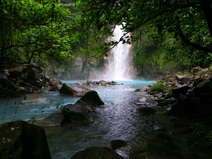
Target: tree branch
193,45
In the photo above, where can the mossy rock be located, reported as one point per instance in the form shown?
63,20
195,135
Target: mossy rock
21,140
90,98
97,153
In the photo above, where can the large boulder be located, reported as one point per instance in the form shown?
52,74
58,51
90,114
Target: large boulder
72,118
67,90
97,153
21,140
76,89
196,105
90,98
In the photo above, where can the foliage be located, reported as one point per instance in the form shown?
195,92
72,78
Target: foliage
35,31
201,130
157,87
179,31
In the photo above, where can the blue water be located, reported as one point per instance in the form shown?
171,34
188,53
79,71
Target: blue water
11,109
117,119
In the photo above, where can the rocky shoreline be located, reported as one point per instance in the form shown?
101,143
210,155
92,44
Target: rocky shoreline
184,104
181,119
23,79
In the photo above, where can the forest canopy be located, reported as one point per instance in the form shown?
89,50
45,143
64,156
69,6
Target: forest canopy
57,31
182,29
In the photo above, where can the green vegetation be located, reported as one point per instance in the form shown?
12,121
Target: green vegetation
164,34
157,87
201,130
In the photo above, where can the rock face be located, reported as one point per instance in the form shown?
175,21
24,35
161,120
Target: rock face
97,153
197,105
188,94
22,79
20,140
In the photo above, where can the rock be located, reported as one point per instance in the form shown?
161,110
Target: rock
143,99
54,119
90,98
76,90
71,118
188,107
35,99
179,76
25,78
203,87
115,144
66,90
180,90
163,148
21,140
97,153
147,111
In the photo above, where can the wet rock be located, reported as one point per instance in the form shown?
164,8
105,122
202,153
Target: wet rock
21,140
50,121
102,83
147,111
90,98
35,99
115,144
97,153
67,90
163,148
71,118
76,90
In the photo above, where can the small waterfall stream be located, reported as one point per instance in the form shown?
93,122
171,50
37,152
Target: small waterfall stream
119,62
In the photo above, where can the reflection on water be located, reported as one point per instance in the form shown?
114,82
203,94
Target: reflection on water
117,119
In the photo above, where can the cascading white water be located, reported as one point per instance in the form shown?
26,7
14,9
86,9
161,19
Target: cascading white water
119,59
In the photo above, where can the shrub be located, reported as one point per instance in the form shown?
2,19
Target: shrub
157,87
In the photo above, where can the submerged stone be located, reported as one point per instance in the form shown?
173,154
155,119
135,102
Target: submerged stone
97,153
72,118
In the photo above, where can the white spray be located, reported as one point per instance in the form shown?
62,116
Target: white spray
119,59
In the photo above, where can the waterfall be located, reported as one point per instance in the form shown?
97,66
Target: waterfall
119,61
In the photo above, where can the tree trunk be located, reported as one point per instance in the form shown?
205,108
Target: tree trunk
206,6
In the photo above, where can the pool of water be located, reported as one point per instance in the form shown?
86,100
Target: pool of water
117,119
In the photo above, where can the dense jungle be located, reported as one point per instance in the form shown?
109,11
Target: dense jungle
65,93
